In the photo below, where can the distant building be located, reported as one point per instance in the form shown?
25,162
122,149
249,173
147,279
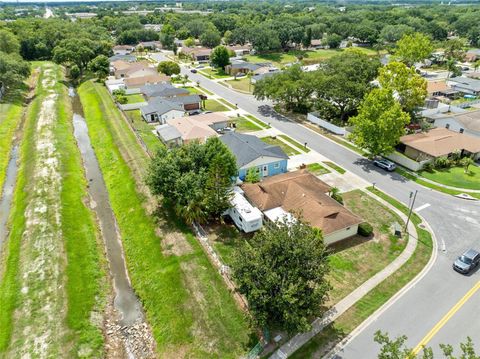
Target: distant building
123,49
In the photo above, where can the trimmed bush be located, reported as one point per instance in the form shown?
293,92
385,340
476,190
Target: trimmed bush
365,229
442,162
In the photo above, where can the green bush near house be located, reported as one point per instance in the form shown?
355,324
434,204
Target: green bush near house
365,229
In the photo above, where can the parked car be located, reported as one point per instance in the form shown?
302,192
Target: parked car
225,130
193,71
467,261
385,164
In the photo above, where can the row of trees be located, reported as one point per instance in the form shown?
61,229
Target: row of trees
13,69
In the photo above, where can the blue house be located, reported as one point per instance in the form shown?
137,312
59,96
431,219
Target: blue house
250,151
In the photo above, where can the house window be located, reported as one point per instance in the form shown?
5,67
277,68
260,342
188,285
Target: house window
276,166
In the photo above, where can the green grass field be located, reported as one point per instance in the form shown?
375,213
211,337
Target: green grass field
295,143
456,177
135,98
243,124
290,151
85,277
258,122
186,302
144,130
317,169
214,105
217,74
335,167
242,84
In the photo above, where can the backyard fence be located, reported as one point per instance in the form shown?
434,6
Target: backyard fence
313,117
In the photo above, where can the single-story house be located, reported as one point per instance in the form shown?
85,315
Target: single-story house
200,54
132,69
252,152
245,216
438,142
240,50
123,49
259,77
190,103
182,130
163,90
244,67
160,110
137,82
468,122
301,193
440,88
316,44
150,45
465,85
472,55
126,58
115,84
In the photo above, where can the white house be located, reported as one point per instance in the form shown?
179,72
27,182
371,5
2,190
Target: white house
245,216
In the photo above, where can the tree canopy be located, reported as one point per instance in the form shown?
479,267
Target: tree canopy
169,68
413,48
195,179
380,123
281,271
220,57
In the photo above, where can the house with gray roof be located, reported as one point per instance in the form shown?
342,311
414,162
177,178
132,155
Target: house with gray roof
259,77
465,85
244,67
169,135
252,152
162,90
190,103
465,122
161,110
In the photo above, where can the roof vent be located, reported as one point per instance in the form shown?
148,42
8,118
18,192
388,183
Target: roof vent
461,130
447,126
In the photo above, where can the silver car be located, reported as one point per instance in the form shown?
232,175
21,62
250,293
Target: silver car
385,164
467,261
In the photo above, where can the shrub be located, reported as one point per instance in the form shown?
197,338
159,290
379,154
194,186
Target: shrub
428,167
455,157
442,162
365,229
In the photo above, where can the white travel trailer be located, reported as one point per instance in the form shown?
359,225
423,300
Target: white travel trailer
246,217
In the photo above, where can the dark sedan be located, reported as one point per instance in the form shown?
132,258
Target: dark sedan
467,261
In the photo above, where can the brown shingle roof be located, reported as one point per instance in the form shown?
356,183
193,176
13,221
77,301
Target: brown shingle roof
144,80
441,142
300,191
436,86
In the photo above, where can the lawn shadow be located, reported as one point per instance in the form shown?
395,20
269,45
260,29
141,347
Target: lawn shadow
369,167
348,243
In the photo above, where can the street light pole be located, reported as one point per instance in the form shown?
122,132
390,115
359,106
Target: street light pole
410,212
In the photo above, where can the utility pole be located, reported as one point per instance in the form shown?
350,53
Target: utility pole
410,212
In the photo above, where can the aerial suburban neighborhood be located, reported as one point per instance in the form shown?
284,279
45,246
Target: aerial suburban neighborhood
240,179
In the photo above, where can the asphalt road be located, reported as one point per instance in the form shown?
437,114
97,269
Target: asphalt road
456,224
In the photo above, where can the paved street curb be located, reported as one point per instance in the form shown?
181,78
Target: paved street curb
346,303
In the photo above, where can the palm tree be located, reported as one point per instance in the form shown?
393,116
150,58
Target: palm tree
466,162
191,213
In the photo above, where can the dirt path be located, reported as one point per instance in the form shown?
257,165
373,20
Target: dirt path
39,329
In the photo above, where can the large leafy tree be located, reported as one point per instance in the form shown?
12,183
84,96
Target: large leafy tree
210,38
100,66
169,68
9,42
13,70
380,122
409,87
282,271
74,52
342,82
220,57
292,88
413,48
195,179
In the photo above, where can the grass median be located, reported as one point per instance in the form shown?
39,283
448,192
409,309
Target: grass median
187,304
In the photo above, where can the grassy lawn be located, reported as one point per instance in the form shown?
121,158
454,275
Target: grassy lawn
193,90
76,277
317,169
144,130
135,98
276,142
226,239
258,122
334,333
214,105
187,304
357,259
335,167
226,103
242,84
456,177
295,143
217,74
279,59
243,124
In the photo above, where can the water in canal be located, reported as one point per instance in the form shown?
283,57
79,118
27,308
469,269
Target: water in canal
7,193
126,302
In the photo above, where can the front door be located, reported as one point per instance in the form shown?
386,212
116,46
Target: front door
265,171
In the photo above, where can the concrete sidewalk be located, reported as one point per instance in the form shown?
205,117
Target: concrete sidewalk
341,307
